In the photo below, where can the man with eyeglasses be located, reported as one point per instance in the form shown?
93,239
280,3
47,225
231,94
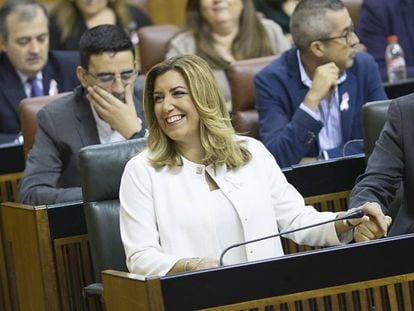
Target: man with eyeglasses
105,108
309,99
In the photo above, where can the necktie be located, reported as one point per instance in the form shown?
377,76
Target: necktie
36,89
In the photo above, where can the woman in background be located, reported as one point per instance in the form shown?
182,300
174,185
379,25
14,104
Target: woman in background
70,18
224,31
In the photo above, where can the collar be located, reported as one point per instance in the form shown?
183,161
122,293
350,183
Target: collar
306,80
24,78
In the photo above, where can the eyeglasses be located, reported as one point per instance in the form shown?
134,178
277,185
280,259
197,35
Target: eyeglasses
108,79
347,35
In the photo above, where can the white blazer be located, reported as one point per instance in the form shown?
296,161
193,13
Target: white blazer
165,213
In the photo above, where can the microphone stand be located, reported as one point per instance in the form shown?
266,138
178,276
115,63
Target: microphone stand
358,213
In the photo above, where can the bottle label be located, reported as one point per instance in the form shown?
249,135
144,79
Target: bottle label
396,62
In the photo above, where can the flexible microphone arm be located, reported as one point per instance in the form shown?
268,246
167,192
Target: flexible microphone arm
357,213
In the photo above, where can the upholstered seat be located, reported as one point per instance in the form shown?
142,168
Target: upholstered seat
354,8
28,109
101,168
153,44
373,117
241,75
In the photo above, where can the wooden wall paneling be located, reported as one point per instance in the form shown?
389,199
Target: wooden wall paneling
167,11
9,190
5,298
28,250
74,270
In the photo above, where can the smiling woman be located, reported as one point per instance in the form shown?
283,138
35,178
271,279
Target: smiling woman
198,188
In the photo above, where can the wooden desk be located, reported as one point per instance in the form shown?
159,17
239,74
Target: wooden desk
376,275
46,247
47,257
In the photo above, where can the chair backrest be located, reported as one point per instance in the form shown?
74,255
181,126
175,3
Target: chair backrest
354,8
153,44
373,117
101,168
141,4
28,108
241,75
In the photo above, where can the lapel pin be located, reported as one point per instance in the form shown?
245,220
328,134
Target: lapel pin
53,87
344,105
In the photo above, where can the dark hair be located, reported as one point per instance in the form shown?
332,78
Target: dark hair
25,9
101,39
309,23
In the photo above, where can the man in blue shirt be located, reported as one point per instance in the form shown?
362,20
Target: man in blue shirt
309,99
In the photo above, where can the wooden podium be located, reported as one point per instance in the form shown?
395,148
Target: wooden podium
376,275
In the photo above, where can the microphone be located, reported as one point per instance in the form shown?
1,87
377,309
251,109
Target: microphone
357,213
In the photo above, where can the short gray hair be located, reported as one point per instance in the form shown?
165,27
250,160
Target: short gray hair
26,10
309,22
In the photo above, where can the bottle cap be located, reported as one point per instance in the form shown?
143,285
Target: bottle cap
392,39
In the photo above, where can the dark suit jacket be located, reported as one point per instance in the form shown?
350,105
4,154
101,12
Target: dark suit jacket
61,67
290,133
64,126
391,162
382,18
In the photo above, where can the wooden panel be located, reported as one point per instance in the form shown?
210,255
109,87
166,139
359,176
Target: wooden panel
45,271
383,296
167,11
331,202
124,291
74,271
27,249
9,190
5,298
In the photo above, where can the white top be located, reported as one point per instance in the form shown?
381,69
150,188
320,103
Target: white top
166,213
330,135
229,229
184,43
105,132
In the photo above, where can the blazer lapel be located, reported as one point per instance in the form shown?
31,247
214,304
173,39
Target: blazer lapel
48,73
296,88
347,90
14,92
86,128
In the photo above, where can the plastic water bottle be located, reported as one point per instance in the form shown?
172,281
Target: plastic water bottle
394,57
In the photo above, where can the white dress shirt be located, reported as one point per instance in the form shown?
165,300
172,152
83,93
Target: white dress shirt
328,112
166,213
105,132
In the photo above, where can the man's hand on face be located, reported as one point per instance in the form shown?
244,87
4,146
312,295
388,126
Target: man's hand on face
324,81
122,117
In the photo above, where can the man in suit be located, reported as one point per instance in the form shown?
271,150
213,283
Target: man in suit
309,99
103,109
25,61
382,18
390,164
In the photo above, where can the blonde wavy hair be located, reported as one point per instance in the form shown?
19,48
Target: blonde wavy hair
216,131
66,12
